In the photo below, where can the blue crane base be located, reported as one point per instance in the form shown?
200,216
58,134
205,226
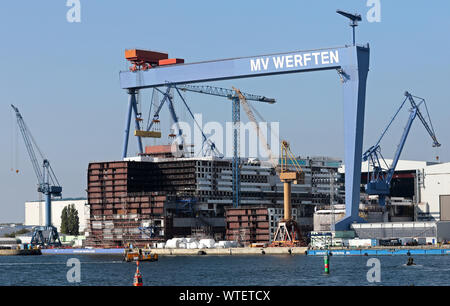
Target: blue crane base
45,236
344,224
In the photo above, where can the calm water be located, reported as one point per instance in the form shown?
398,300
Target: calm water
262,270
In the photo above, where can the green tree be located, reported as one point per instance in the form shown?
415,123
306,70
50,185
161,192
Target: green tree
64,221
70,222
73,221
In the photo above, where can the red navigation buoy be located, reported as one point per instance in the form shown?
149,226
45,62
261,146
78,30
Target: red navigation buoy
137,277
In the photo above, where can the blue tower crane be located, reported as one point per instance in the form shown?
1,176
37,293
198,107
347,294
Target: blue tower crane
235,98
379,178
47,184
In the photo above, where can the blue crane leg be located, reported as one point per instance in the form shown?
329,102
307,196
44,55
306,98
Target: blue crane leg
127,126
138,128
354,90
382,200
48,209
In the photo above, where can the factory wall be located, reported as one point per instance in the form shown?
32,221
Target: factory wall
35,212
436,185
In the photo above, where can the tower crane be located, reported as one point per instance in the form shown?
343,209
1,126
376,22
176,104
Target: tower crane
47,184
379,178
235,98
288,233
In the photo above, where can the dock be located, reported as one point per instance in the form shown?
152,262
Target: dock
381,251
257,251
187,252
235,251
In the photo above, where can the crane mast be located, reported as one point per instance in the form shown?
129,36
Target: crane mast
259,133
48,185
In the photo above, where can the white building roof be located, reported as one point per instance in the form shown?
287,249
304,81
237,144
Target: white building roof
401,165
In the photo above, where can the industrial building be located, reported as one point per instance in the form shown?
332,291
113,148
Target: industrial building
35,214
154,197
420,191
417,210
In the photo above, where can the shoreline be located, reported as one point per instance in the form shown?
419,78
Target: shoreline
373,251
186,252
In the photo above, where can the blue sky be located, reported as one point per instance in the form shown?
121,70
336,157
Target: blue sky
64,76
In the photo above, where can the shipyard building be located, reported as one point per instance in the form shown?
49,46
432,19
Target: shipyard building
417,210
419,191
155,196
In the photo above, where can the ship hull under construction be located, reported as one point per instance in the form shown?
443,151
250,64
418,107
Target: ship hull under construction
144,200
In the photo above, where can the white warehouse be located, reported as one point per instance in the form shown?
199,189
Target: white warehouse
35,212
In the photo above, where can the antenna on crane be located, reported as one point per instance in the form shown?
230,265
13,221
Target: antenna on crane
354,18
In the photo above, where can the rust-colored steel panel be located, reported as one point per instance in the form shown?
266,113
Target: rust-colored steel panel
171,61
158,211
144,55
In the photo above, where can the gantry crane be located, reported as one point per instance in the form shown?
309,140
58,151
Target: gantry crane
351,63
47,184
379,178
235,97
